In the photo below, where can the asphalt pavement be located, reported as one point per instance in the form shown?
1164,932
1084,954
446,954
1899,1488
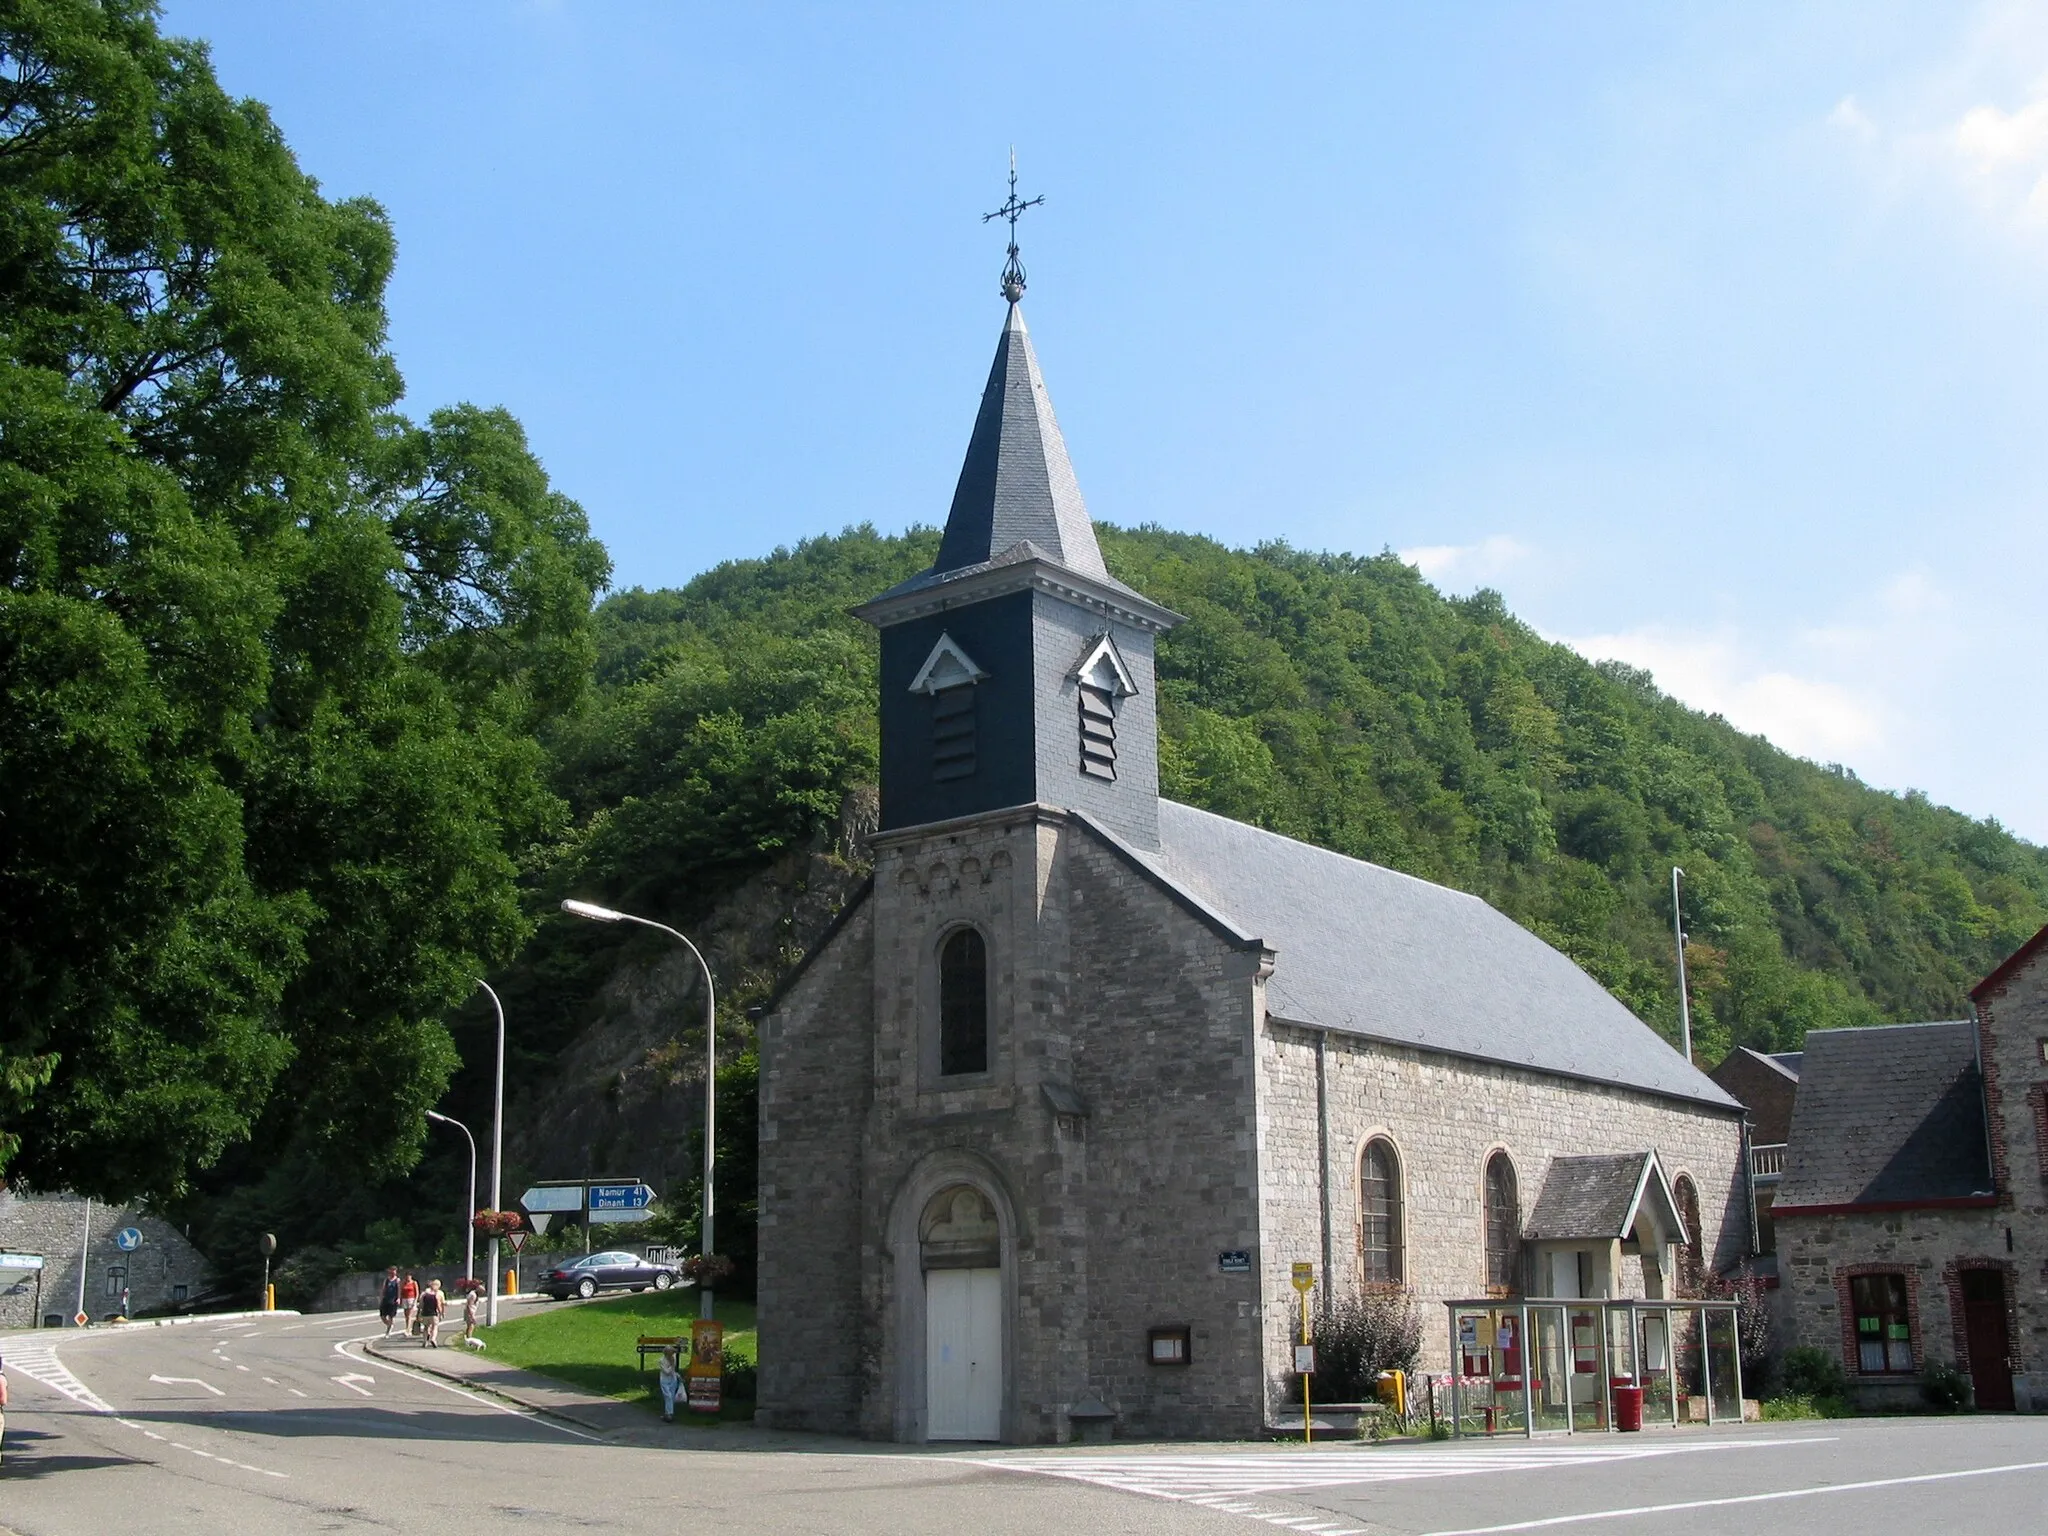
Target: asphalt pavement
287,1424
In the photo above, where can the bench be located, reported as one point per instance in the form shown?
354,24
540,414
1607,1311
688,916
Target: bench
655,1343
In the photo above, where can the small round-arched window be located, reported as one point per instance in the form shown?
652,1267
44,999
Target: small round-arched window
1379,1214
1503,1227
963,1004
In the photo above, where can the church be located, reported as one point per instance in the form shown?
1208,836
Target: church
1053,1109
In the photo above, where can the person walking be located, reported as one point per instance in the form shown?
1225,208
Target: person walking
3,1409
409,1301
472,1296
432,1305
387,1303
671,1381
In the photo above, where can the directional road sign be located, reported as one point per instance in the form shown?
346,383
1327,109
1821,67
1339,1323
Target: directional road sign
128,1239
553,1197
620,1197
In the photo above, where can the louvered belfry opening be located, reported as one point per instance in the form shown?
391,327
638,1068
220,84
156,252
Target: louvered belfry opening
1098,731
953,732
963,1004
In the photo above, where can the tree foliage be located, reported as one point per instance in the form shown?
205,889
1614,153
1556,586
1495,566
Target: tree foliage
1344,701
272,657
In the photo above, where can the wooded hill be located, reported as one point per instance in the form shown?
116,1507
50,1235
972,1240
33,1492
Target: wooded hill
1344,701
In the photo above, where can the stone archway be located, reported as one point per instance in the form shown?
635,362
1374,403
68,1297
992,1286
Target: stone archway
952,1242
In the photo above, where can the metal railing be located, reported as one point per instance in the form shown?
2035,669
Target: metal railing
1767,1162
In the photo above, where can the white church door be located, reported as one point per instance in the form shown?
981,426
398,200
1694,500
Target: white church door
963,1354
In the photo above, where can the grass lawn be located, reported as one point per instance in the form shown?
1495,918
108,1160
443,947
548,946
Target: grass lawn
590,1344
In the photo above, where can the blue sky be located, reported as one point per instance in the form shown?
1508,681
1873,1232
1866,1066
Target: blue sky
1711,336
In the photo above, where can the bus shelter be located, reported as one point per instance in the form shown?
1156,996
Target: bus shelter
1532,1366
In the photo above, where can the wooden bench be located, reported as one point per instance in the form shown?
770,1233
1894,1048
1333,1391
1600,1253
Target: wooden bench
655,1343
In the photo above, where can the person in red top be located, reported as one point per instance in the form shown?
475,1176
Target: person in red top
3,1403
409,1300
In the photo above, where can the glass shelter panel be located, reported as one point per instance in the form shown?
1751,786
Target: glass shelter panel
1588,1370
1550,1385
1724,1366
1653,1359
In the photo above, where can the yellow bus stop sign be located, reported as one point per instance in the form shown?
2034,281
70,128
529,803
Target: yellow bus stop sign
1304,1278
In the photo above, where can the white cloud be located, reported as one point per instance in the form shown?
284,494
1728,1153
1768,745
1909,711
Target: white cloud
1995,138
1718,673
1850,117
1460,564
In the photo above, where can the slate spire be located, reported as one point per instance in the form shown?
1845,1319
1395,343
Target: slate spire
1017,483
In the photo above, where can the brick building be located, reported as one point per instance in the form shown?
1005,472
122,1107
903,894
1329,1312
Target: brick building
1912,1223
164,1272
1072,1082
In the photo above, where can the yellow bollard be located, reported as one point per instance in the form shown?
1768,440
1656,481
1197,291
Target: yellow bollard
511,1282
270,1298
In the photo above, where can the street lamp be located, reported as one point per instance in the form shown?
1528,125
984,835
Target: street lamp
468,1224
497,1149
599,914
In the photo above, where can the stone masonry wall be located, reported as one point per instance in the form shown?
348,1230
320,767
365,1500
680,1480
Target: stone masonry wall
1102,988
2013,1034
816,1067
53,1226
1445,1116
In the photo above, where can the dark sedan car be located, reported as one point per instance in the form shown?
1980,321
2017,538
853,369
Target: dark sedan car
596,1272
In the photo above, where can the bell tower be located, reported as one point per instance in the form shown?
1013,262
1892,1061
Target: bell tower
1017,669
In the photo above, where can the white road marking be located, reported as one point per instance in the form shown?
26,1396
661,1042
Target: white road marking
341,1349
295,1392
173,1381
1745,1498
1220,1479
39,1363
350,1378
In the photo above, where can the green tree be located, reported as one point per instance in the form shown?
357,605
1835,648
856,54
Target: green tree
271,656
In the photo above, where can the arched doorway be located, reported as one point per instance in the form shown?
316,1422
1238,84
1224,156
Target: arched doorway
960,1254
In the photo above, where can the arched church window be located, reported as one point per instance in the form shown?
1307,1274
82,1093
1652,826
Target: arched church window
1691,1268
1503,1227
963,1004
1379,1214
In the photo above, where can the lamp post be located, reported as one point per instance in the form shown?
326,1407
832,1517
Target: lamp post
497,1150
468,1224
599,914
1678,936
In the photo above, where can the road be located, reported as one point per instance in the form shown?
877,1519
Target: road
283,1425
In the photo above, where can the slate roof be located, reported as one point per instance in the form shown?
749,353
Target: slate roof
1597,1197
1787,1062
1892,1116
1368,951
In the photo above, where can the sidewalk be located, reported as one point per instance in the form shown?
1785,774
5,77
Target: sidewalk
618,1422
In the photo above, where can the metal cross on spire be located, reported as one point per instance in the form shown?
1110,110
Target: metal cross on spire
1013,207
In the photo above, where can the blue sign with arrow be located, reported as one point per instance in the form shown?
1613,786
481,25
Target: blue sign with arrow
620,1197
128,1239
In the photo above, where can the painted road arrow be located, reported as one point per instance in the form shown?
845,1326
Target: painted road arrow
350,1378
191,1381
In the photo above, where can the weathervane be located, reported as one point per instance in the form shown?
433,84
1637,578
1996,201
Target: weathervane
1013,269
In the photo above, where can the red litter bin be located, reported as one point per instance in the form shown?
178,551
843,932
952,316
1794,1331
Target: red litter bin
1628,1407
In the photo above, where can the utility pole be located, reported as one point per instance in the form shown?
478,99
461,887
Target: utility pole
1678,935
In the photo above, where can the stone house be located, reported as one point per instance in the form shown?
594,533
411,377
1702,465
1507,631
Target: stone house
1912,1223
162,1273
1765,1084
1050,1112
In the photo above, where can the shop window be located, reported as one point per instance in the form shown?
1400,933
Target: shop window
1379,1214
1884,1328
963,1004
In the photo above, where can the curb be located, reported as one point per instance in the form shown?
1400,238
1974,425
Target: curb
196,1317
470,1384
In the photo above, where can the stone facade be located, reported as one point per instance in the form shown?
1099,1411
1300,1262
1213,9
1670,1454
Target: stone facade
1446,1116
1141,1116
1820,1252
165,1272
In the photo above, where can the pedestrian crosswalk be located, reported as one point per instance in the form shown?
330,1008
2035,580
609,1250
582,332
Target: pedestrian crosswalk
1224,1479
30,1357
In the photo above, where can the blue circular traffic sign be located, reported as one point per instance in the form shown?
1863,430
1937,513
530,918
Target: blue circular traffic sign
128,1239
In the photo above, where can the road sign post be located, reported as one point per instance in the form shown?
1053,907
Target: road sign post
1305,1353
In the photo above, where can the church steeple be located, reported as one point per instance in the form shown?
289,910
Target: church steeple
1017,482
1017,670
